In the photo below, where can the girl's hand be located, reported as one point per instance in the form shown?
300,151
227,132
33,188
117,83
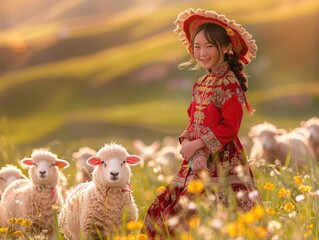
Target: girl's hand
190,147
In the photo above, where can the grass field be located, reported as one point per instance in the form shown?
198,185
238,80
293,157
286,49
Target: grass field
290,200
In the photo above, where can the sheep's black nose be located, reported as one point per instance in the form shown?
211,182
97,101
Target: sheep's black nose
114,174
42,172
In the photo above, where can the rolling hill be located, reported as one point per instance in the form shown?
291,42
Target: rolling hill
79,69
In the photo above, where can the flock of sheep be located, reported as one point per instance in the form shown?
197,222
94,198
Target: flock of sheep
91,208
292,148
96,204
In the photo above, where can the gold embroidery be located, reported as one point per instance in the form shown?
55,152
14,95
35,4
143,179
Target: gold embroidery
240,95
199,117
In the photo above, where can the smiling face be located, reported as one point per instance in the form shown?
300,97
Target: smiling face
206,53
210,44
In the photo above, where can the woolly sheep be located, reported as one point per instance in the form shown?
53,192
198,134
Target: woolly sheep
166,162
33,198
312,126
83,170
100,203
8,174
273,144
163,159
146,152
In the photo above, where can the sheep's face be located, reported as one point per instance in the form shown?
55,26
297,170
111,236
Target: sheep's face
43,167
44,172
114,171
267,140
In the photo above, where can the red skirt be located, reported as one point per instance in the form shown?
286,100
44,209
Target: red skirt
228,169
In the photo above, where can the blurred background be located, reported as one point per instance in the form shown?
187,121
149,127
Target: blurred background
86,72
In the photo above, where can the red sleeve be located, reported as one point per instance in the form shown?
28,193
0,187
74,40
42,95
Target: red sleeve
186,133
231,116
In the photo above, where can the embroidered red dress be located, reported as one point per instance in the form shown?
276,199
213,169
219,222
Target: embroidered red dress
215,116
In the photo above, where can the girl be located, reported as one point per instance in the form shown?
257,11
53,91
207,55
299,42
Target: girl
210,141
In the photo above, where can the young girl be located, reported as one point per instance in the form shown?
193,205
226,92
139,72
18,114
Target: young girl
210,141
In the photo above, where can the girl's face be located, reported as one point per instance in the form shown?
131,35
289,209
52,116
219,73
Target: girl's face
206,53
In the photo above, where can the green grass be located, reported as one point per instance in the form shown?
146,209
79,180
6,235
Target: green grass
299,220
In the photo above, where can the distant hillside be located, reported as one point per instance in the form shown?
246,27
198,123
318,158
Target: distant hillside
38,11
71,71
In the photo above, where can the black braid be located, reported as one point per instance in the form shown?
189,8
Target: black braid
238,68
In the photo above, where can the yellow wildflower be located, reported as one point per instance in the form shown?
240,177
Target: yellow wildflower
248,218
130,237
195,186
309,226
3,230
289,207
269,186
160,189
194,222
231,230
235,229
118,238
271,211
134,225
26,222
298,180
259,212
19,220
185,236
261,232
304,188
283,193
141,236
12,220
307,234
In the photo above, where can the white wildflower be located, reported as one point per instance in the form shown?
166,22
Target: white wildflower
300,197
273,226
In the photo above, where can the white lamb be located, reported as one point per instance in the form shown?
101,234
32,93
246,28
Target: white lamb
33,198
98,206
8,174
312,126
83,170
274,144
146,152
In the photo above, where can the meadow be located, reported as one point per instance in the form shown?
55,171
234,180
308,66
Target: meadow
84,73
289,209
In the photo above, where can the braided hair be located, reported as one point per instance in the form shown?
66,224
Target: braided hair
238,68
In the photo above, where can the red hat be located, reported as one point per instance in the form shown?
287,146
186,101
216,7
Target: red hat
241,41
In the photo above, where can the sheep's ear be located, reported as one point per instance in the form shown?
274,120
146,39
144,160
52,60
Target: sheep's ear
61,164
133,160
26,162
93,161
